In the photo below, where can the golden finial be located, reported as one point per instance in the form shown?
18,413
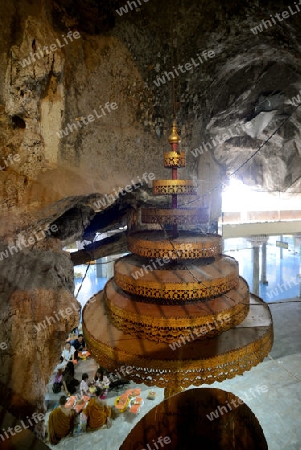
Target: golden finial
174,138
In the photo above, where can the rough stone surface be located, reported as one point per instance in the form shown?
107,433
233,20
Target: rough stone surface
24,436
116,59
36,291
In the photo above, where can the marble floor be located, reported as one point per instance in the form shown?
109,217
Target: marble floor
282,266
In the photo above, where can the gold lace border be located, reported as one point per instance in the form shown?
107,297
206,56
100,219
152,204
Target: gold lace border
163,187
176,322
163,248
174,373
174,159
161,329
178,291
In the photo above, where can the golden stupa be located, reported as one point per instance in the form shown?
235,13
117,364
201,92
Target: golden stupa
176,313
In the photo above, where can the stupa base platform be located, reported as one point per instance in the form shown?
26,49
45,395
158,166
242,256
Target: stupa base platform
180,363
169,322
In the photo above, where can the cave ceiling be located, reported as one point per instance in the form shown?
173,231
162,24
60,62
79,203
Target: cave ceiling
237,111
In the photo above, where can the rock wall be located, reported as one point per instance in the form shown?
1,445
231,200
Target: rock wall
116,59
37,312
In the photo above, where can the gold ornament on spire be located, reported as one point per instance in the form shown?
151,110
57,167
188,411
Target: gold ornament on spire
174,138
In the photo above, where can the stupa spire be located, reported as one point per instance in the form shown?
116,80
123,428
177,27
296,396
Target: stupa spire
177,289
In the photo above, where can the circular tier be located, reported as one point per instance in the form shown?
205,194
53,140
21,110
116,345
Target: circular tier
179,216
167,323
163,278
195,363
174,159
188,245
184,187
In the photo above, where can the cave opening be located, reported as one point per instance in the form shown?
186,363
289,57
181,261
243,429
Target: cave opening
18,122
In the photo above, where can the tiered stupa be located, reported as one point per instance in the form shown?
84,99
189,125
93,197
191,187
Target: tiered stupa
176,313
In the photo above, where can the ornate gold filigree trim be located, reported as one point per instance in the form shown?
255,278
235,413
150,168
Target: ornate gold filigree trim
184,187
170,328
174,159
181,372
181,291
188,248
